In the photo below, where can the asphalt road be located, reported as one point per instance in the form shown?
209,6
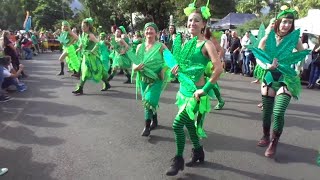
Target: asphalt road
47,133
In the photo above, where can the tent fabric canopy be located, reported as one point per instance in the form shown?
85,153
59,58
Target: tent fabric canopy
309,24
232,20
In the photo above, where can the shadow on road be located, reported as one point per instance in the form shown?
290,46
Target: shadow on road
221,167
286,153
21,166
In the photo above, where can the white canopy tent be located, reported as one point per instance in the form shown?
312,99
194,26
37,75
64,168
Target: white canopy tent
309,24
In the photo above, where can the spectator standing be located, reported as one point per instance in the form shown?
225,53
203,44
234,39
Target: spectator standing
224,44
235,47
247,54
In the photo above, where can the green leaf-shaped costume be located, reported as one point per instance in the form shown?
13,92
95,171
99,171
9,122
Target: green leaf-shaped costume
286,57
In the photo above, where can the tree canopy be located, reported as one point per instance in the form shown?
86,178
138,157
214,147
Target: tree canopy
46,14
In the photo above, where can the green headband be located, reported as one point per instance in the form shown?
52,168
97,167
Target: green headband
205,11
88,20
123,30
65,23
151,24
103,34
286,12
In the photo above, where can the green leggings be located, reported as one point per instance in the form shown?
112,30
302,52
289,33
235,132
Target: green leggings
178,125
276,106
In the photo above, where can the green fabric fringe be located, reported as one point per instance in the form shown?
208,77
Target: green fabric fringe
193,108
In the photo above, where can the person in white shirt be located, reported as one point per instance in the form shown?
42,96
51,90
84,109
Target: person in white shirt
247,54
11,76
224,44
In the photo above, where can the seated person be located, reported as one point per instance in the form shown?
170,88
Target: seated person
3,97
11,76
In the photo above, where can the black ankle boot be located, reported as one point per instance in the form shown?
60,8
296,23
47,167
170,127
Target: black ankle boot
176,166
197,154
62,69
146,130
106,86
128,79
79,91
154,122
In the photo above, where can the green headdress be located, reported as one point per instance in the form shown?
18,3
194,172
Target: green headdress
286,12
205,11
123,30
151,24
89,21
103,35
65,23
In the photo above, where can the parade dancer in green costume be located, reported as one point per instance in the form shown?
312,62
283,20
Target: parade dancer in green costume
91,66
67,38
151,75
123,56
137,39
280,81
104,56
216,94
192,98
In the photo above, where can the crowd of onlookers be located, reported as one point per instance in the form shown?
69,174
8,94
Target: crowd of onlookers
15,46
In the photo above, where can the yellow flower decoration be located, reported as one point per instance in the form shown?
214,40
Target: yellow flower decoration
188,10
284,7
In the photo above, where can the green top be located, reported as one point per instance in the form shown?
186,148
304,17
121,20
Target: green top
170,43
34,39
153,61
194,68
87,45
127,40
103,50
135,44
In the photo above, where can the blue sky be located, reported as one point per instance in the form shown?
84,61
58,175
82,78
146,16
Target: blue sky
76,4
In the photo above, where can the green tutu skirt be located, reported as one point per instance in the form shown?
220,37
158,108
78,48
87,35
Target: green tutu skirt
123,61
72,58
91,68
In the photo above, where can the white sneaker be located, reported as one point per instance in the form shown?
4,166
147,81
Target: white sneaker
3,171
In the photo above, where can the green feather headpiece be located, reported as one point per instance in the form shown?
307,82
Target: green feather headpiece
88,20
205,11
151,24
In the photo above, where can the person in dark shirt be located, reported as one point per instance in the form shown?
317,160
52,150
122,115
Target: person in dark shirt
235,47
